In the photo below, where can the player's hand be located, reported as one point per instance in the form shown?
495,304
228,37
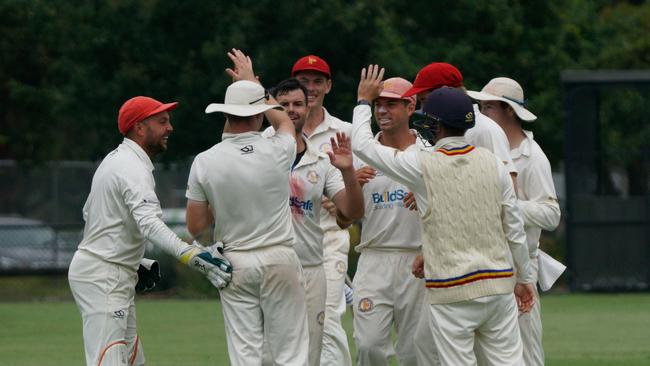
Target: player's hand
349,294
525,295
371,83
209,261
242,67
418,266
327,204
148,275
341,152
409,202
365,174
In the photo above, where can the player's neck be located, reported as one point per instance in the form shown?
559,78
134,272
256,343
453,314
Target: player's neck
514,132
300,142
399,139
315,118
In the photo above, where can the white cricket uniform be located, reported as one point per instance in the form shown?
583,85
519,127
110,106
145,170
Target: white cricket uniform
540,209
336,244
122,211
488,134
312,178
245,180
404,167
385,290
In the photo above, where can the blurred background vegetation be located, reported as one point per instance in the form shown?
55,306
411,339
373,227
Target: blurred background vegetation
68,65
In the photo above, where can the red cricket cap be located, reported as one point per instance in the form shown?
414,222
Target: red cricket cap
313,63
138,108
434,76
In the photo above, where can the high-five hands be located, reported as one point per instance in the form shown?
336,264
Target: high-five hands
341,153
242,67
371,83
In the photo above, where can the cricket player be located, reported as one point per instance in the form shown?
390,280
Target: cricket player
485,133
315,74
121,213
469,218
314,175
241,186
502,99
385,292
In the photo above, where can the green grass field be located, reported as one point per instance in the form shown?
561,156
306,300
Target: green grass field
579,330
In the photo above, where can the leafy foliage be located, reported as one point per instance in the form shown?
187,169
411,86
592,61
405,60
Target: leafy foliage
68,66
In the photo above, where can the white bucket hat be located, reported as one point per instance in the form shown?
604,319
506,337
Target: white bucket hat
243,98
505,90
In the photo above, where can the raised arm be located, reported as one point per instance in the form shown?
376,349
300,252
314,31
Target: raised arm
350,201
243,70
402,166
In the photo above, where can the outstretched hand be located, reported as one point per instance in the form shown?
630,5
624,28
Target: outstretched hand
341,153
371,83
242,67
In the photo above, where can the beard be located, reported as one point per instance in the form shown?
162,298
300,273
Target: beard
156,145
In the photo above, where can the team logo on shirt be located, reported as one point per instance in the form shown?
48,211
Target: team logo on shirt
388,199
365,305
341,267
119,314
320,318
248,149
325,147
312,177
300,207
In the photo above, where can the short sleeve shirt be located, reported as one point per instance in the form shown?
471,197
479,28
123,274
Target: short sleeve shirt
245,180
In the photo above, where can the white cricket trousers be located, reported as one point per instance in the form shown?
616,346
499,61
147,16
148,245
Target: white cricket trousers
530,325
316,293
490,322
385,294
266,301
336,351
104,293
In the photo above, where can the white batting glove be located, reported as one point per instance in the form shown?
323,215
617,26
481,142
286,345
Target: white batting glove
349,293
217,269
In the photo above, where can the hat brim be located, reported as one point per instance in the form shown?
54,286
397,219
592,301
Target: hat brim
165,107
414,90
307,68
240,110
391,95
521,112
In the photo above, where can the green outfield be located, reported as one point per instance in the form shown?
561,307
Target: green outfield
579,330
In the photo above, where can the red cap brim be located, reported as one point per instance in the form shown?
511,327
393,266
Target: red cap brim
413,91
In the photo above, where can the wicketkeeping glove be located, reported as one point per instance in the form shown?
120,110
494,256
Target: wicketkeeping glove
209,261
148,275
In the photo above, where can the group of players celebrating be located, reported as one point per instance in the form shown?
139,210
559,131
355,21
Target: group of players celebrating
450,213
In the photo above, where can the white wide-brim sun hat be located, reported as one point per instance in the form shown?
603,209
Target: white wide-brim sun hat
243,98
505,90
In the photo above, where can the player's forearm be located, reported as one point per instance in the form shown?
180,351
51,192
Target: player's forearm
352,206
545,215
154,230
280,120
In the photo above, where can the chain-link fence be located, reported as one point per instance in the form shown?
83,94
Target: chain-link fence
40,211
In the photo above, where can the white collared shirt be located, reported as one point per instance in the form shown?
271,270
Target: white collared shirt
122,209
245,179
488,134
537,198
384,208
313,177
404,167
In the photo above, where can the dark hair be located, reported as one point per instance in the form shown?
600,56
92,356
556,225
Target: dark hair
237,119
288,85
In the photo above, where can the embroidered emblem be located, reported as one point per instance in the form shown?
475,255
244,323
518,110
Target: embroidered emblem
365,305
312,177
325,147
341,267
320,318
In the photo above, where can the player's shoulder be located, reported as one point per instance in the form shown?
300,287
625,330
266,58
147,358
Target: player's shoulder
338,124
